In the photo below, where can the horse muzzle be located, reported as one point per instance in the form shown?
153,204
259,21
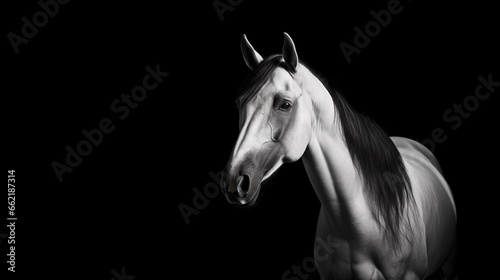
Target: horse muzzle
240,188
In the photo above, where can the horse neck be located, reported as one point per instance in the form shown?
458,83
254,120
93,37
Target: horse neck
328,162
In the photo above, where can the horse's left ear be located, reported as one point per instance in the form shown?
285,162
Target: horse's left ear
290,53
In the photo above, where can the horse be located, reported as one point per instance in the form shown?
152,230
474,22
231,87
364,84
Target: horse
386,210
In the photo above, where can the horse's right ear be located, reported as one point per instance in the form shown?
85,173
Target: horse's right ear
251,57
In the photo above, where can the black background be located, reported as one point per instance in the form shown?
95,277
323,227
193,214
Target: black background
119,207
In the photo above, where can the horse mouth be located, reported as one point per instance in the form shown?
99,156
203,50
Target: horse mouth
253,198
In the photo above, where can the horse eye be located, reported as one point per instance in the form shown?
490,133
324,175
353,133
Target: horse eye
286,106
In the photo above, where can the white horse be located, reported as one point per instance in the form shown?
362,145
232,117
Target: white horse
385,206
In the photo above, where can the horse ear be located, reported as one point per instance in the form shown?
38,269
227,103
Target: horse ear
251,57
289,52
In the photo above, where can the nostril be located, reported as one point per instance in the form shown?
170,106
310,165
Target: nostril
244,185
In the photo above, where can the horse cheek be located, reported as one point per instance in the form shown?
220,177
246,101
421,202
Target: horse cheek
297,135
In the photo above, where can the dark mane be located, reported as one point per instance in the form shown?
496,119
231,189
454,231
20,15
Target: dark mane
377,159
259,76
